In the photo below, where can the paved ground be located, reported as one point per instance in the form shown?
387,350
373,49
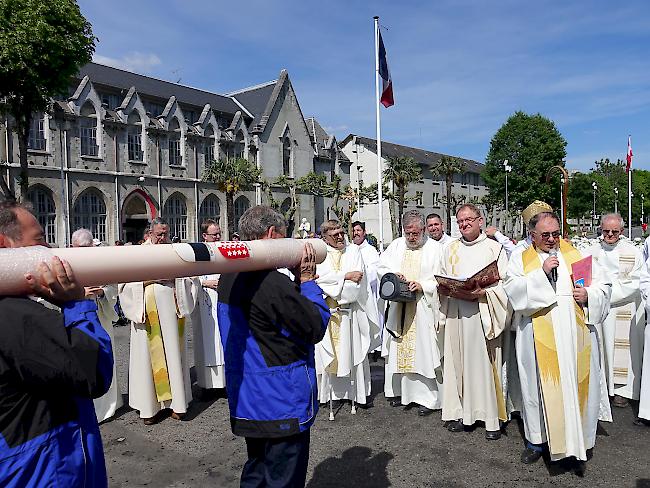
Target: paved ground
377,448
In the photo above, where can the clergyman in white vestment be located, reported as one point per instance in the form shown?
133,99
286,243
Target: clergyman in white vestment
342,367
473,323
624,327
436,229
411,342
557,343
159,373
206,339
644,400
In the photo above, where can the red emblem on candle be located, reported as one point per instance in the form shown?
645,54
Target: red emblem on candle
234,250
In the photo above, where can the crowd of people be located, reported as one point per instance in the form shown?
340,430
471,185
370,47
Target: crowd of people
529,339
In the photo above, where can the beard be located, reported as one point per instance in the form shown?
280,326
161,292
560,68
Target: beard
415,245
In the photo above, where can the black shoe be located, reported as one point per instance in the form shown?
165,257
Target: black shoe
641,422
395,402
424,411
455,426
493,435
530,456
580,468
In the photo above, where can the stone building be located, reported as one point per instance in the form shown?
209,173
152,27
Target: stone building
124,148
426,196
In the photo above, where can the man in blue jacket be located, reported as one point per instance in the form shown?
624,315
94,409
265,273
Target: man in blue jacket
269,325
51,366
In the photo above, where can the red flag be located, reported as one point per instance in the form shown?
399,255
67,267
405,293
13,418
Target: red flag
629,154
386,82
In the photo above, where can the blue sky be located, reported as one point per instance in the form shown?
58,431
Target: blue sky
459,67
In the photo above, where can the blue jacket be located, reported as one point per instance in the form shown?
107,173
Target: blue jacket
268,327
51,366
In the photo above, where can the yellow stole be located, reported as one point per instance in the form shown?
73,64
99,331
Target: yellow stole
334,326
157,346
547,359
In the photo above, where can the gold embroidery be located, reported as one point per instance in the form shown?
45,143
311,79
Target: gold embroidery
410,268
334,326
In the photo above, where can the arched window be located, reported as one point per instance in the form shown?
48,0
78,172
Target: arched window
134,137
44,211
286,205
90,212
88,130
175,154
208,153
37,140
240,145
286,156
209,209
175,212
241,205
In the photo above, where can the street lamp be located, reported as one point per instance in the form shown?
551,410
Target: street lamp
593,213
642,201
616,200
508,169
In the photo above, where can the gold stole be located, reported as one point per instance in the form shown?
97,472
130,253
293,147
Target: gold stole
334,326
157,346
547,359
410,268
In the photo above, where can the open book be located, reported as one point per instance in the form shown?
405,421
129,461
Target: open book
481,279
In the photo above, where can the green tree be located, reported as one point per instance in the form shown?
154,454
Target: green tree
231,176
532,145
289,185
580,197
400,172
449,167
42,45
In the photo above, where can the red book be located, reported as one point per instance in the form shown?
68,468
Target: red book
581,272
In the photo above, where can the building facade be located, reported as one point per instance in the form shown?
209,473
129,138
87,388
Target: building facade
124,148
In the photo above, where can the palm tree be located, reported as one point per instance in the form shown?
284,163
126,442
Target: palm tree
291,186
448,167
231,176
401,172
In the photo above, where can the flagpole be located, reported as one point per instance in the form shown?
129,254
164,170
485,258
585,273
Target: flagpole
380,195
629,203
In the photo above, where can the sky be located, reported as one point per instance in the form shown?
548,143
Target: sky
460,68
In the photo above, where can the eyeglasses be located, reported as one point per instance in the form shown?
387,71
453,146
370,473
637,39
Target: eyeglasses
547,235
412,234
336,235
468,220
212,235
613,232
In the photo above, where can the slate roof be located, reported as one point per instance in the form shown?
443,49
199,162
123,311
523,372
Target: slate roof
317,133
255,98
145,85
422,156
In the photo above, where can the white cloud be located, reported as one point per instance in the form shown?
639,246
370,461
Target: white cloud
133,61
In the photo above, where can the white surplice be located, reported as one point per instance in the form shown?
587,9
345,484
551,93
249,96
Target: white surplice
206,340
109,402
644,400
623,328
413,359
473,388
174,299
370,261
530,293
342,367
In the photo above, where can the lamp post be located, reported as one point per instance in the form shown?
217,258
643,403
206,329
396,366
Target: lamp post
616,200
593,213
642,201
508,169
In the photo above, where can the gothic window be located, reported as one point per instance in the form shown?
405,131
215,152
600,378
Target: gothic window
286,156
175,154
44,211
241,205
208,152
88,131
240,145
37,141
209,209
175,212
134,138
90,212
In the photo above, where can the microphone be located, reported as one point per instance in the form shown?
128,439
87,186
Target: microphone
553,252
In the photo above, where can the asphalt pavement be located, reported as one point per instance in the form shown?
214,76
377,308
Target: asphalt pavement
378,447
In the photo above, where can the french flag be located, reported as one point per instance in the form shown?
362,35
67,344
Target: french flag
386,83
629,154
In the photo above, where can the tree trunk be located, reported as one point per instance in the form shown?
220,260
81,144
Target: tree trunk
450,179
401,193
230,214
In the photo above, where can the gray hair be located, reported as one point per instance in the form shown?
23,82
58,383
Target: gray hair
256,221
157,221
82,238
612,216
469,206
532,223
412,216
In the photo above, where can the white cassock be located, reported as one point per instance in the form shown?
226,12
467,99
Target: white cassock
370,261
109,402
208,351
445,239
342,356
174,300
561,416
644,400
473,387
413,358
624,327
